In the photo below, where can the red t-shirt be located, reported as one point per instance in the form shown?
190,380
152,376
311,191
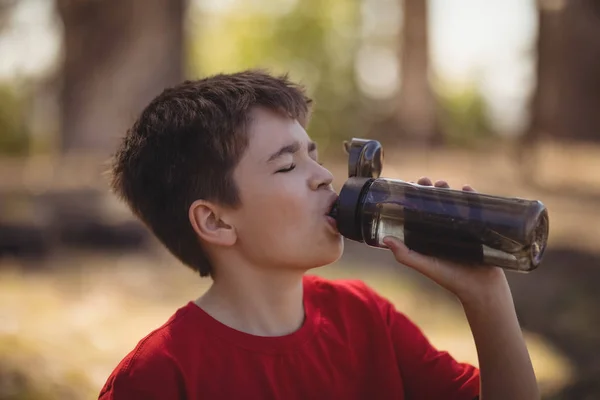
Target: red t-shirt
352,345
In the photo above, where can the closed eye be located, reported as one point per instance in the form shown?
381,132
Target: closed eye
288,169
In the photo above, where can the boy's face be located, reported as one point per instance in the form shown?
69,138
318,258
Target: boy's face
285,196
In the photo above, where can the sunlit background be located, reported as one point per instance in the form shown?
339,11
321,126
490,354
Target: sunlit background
503,95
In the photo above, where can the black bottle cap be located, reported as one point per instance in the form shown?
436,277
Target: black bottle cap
347,210
365,158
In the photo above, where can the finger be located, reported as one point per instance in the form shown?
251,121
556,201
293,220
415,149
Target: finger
419,262
468,188
448,207
425,181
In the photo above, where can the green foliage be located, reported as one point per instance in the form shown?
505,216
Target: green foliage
314,41
464,115
14,135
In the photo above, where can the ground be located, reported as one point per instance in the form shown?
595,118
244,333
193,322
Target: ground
66,325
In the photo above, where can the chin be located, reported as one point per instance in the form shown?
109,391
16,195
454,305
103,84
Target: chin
313,255
330,253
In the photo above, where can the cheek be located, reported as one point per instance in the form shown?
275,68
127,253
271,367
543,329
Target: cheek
277,228
285,207
277,214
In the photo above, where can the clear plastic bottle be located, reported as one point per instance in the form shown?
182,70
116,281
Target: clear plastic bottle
510,233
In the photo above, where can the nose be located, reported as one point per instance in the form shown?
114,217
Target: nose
322,177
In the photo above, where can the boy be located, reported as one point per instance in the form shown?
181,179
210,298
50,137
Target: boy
224,174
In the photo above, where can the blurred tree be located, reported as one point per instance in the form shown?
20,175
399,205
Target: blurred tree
417,106
314,41
118,54
14,133
545,100
463,114
5,9
566,101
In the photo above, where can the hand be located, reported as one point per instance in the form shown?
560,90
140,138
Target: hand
470,283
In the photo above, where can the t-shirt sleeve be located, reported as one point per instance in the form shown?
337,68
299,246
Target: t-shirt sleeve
427,373
148,377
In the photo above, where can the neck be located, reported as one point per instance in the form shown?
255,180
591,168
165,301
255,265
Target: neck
259,302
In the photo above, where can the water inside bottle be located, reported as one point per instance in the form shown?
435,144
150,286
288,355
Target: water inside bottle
457,228
432,236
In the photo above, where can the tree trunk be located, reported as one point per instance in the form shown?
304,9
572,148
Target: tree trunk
567,97
581,76
118,55
5,11
545,102
417,110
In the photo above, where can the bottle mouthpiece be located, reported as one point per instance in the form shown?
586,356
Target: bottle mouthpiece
333,213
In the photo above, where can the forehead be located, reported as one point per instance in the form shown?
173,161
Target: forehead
268,131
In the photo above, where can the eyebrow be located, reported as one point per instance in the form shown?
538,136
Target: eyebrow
291,149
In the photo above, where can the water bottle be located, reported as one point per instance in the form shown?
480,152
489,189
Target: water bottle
456,225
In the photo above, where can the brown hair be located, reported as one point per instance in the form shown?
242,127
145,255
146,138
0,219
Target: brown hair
185,146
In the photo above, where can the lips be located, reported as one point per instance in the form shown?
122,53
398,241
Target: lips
331,212
332,207
332,223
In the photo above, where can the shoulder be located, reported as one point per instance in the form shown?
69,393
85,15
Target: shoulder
164,343
153,361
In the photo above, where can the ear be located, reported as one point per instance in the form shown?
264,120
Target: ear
206,219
